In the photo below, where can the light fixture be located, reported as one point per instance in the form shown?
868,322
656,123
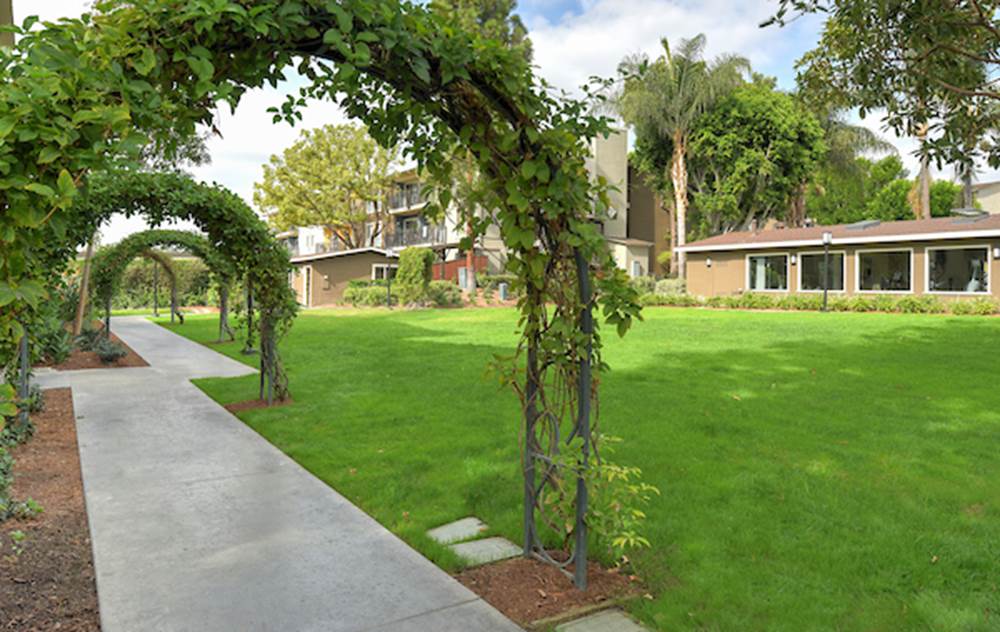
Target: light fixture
794,259
827,238
708,262
996,252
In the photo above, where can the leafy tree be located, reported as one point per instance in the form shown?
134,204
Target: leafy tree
335,176
895,202
494,19
931,65
841,195
755,148
662,99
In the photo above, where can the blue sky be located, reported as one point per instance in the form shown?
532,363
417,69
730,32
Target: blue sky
573,40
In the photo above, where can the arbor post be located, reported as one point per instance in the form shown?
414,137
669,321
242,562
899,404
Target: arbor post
23,387
583,421
248,348
530,448
156,289
107,318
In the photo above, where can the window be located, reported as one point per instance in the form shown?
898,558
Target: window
378,271
963,270
767,273
885,271
812,272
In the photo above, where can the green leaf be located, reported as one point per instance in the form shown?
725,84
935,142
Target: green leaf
41,189
6,126
48,154
146,62
67,188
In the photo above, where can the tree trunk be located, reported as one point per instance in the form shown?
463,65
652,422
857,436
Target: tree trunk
672,223
923,210
797,210
81,305
968,199
679,177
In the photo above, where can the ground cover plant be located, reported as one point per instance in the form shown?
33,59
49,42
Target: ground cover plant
815,469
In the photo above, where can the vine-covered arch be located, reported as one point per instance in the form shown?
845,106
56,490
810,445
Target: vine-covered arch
159,66
110,263
236,244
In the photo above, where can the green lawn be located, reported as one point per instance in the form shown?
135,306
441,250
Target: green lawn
819,471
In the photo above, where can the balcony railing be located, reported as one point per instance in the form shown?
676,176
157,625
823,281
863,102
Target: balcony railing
406,197
425,235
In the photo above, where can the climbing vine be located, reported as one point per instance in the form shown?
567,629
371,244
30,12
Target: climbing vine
80,93
110,263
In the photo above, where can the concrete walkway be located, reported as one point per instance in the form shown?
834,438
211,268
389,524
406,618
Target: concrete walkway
200,524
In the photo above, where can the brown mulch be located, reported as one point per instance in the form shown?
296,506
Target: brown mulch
50,585
528,591
89,360
253,404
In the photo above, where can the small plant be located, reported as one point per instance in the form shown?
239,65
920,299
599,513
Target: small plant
671,286
17,540
920,305
752,300
616,495
373,296
643,284
110,352
884,303
980,306
89,338
861,304
444,294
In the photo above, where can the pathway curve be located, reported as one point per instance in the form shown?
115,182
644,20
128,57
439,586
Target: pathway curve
200,524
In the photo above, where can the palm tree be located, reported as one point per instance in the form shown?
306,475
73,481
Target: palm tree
6,19
844,143
662,99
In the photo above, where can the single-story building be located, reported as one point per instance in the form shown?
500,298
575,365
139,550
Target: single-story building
947,256
321,279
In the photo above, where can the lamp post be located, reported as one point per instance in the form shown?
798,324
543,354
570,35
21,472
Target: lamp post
827,240
388,277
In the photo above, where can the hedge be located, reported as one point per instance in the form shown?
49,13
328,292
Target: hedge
981,306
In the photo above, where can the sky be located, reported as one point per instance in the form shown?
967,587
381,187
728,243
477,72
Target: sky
573,40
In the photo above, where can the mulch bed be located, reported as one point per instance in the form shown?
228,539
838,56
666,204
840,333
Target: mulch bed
253,404
89,360
50,585
528,591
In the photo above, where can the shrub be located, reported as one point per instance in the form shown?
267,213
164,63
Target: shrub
53,342
444,294
800,302
671,286
110,352
839,303
371,296
980,306
920,305
89,338
413,277
860,304
672,300
752,300
643,284
884,303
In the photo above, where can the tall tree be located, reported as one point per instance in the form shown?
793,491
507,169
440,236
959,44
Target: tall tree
663,98
494,19
924,63
754,151
334,176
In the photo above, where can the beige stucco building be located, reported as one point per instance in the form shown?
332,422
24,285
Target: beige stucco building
949,257
321,279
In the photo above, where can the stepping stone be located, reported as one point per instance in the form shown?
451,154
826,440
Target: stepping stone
464,529
486,550
603,621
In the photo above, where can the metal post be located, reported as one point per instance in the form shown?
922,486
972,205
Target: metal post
156,289
530,418
23,386
826,273
388,288
583,422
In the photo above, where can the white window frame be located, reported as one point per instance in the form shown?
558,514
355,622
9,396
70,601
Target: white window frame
857,271
798,273
378,266
788,271
989,269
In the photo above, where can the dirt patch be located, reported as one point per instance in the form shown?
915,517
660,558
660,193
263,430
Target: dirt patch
89,360
528,591
50,585
253,404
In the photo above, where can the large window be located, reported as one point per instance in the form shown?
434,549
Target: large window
767,273
958,270
379,270
812,270
885,271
